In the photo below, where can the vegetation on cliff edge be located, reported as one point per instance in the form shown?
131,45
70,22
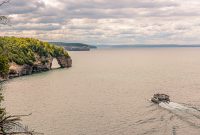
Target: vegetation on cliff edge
4,67
25,51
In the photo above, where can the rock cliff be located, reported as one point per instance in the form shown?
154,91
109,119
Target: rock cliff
64,61
41,65
25,56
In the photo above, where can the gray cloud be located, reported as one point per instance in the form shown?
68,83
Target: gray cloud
118,4
36,27
103,21
21,7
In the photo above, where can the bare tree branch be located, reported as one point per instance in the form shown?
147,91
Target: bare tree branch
4,2
4,19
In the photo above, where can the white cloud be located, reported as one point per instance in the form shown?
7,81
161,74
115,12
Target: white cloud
106,22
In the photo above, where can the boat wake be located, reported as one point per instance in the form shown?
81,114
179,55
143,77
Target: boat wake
190,115
168,118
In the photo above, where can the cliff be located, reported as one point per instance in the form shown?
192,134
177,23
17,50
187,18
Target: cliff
16,70
25,56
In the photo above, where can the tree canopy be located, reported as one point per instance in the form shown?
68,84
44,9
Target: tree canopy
24,50
4,67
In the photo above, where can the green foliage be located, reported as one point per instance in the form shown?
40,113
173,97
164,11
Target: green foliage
24,50
4,67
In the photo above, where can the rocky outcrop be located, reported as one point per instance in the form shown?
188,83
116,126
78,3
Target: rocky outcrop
29,55
41,65
19,70
64,61
2,79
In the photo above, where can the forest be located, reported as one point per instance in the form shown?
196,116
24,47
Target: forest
24,51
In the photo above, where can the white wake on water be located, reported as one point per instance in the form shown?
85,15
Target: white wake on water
187,114
174,106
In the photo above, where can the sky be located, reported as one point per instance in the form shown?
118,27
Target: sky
102,22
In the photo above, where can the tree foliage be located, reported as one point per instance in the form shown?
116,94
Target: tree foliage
4,67
25,50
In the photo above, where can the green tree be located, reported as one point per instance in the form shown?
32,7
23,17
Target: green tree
28,50
4,66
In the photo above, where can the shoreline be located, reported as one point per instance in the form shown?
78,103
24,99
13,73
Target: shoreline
5,80
27,73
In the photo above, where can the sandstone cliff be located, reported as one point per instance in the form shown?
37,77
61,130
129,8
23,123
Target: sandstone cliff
42,64
25,56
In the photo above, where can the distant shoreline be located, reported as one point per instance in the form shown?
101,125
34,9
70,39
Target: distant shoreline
74,46
148,46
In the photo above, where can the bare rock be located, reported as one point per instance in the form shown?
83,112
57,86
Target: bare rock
64,61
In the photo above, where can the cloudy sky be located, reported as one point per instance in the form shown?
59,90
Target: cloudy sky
105,21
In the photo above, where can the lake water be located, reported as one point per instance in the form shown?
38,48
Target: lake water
107,92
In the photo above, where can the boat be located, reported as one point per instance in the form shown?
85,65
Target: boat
158,98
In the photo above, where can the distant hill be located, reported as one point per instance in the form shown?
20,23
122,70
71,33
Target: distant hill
74,46
147,46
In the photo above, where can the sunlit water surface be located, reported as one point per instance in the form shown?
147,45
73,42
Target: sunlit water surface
107,92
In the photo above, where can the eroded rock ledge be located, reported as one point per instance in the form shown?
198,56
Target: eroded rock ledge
25,56
41,65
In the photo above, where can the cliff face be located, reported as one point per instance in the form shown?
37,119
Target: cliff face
19,70
41,65
24,56
64,61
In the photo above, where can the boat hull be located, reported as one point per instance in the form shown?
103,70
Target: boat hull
158,98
